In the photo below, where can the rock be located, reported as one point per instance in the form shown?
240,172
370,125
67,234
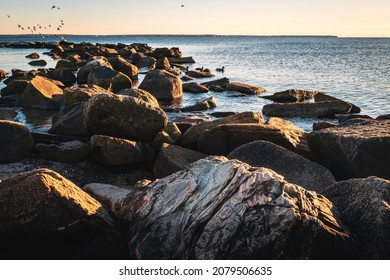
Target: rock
222,114
71,122
7,113
321,97
141,94
354,149
322,125
109,79
163,63
163,85
345,117
107,194
383,117
45,216
244,88
68,152
220,209
33,55
181,60
64,75
293,167
116,151
3,74
81,93
194,88
292,95
66,64
16,141
16,86
124,117
41,93
122,65
97,61
217,85
170,134
165,52
199,74
190,137
186,78
364,208
174,158
38,62
307,110
143,61
204,104
223,139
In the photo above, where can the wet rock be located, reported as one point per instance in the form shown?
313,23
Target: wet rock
307,110
174,158
71,122
364,208
40,62
186,78
223,139
293,167
122,65
354,149
190,137
181,60
33,55
199,74
141,94
81,93
223,114
109,79
45,216
383,117
42,93
217,85
98,61
321,97
244,88
163,85
7,113
344,117
163,63
194,88
64,75
230,210
204,104
16,141
292,95
116,151
68,152
16,86
124,117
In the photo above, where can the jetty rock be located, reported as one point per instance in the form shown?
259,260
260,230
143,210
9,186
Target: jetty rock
225,209
122,65
163,85
141,94
33,55
45,216
291,95
70,122
16,141
355,148
15,87
81,93
40,62
66,64
95,62
364,206
109,79
123,117
64,75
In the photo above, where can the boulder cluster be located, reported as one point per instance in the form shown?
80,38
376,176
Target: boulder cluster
115,178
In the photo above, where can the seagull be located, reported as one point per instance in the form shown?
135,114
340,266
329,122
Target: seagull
8,16
182,6
49,25
53,7
19,26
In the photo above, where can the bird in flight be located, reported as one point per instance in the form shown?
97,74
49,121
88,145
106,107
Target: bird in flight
19,26
8,16
182,6
53,7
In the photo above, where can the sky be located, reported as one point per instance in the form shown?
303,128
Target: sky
344,18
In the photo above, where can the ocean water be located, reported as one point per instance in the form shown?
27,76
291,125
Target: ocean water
353,69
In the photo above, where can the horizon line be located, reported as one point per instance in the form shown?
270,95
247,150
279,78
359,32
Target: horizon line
195,35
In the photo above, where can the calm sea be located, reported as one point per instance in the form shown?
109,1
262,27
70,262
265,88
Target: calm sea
353,69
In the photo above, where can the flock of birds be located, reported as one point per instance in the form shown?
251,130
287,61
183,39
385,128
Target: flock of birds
38,28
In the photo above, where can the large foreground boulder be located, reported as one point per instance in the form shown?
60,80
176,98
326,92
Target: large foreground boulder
42,93
16,141
45,216
293,167
124,117
364,205
162,85
357,148
225,209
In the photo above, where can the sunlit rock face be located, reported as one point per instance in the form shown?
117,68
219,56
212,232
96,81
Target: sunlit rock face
225,209
45,216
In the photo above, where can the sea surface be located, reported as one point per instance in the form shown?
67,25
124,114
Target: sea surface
356,70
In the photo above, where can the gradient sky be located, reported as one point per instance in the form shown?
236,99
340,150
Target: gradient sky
356,18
